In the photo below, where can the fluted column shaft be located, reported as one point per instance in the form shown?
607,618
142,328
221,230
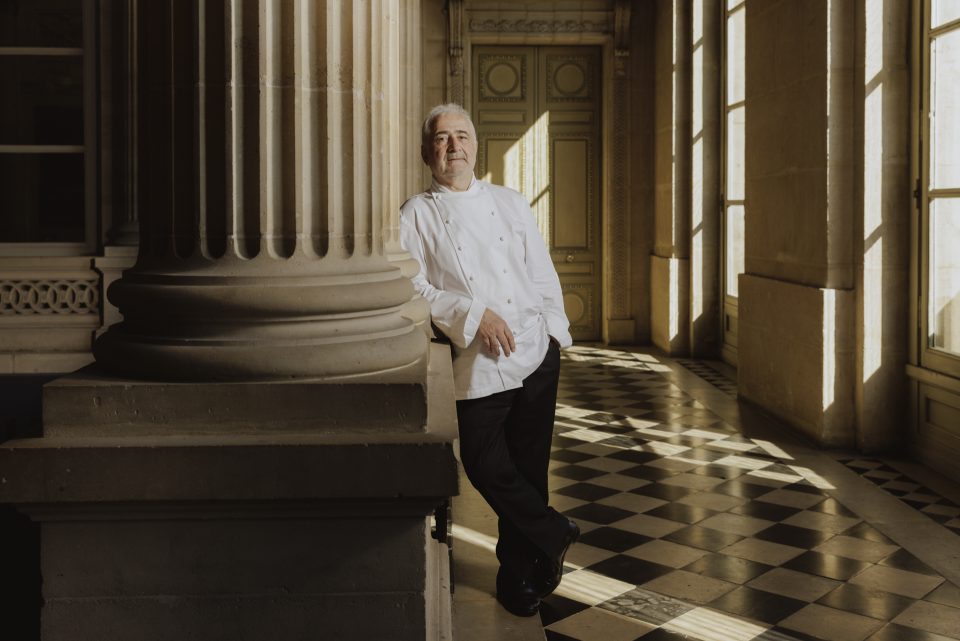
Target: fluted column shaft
268,156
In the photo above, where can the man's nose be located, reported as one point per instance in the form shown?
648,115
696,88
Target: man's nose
453,144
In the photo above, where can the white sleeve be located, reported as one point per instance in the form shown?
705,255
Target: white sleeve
457,315
544,277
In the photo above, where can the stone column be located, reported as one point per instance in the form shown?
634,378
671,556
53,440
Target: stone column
264,148
260,447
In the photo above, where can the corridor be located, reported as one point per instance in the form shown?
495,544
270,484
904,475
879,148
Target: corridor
705,519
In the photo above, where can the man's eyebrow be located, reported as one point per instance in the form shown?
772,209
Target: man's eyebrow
456,131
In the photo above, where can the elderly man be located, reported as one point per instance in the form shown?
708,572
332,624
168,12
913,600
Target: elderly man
494,293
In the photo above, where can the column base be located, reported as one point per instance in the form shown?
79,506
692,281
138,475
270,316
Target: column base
239,534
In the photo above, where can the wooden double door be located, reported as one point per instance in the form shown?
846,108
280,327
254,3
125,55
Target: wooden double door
537,112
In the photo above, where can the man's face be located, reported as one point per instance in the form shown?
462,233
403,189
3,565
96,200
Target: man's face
452,152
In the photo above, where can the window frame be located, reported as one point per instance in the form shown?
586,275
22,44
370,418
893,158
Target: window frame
729,307
928,357
89,148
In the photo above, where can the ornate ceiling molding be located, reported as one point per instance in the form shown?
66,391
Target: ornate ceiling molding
537,26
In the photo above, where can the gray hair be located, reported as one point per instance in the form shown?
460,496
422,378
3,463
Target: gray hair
436,112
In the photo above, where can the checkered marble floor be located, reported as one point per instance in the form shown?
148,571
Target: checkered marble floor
693,530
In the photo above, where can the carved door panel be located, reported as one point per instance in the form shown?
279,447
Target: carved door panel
537,111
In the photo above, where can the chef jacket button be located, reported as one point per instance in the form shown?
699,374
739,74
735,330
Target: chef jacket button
491,213
501,238
509,300
471,278
504,271
459,249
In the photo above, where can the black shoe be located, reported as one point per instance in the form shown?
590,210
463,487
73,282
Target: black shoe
517,596
548,571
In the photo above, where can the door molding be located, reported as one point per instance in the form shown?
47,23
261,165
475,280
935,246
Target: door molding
609,28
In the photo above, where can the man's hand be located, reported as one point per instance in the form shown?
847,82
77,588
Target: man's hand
495,334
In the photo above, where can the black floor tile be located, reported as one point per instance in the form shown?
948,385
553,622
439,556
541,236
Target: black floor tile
613,539
869,603
680,512
728,568
586,491
648,473
555,607
661,634
705,455
768,511
801,487
757,604
799,537
777,633
556,636
630,569
868,532
634,456
604,417
827,565
577,472
661,491
743,489
895,632
832,506
703,538
598,513
719,471
570,456
903,560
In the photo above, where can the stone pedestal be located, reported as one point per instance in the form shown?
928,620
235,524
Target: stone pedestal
164,516
261,445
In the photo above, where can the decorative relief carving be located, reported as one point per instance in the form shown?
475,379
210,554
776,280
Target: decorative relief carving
455,53
579,298
49,297
620,60
568,79
503,78
618,248
526,25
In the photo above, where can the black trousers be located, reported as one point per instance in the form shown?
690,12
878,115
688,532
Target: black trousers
505,450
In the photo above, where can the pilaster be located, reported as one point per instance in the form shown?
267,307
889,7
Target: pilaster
797,297
670,261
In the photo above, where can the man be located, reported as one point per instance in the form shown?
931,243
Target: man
494,293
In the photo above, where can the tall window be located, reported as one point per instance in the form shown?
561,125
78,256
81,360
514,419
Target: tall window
940,187
734,121
47,158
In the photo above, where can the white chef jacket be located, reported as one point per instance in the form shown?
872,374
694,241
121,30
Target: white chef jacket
480,248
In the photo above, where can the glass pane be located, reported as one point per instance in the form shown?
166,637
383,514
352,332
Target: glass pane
736,128
943,11
736,60
41,198
945,275
734,249
42,100
41,23
945,111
